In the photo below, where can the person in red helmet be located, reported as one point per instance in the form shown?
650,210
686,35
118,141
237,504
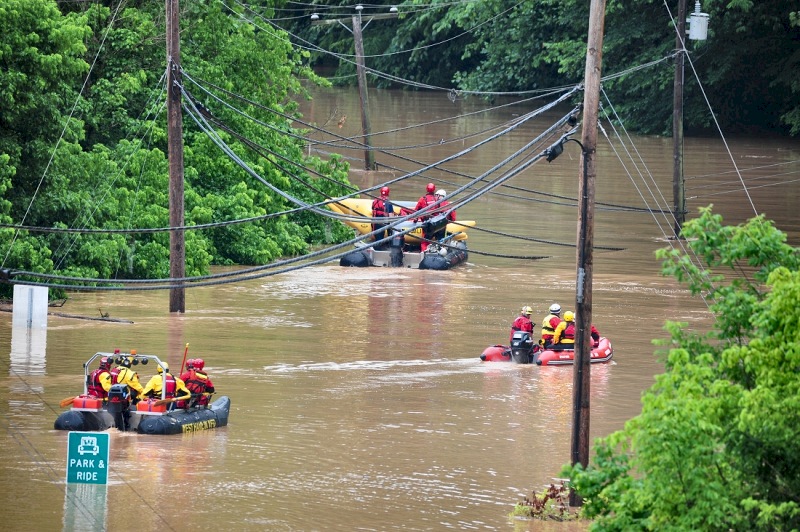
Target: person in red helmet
428,199
99,381
202,375
114,372
381,208
198,383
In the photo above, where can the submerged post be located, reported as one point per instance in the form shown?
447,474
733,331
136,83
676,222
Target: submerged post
583,299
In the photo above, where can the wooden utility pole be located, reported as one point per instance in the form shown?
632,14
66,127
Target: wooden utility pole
366,128
678,190
177,250
583,301
356,21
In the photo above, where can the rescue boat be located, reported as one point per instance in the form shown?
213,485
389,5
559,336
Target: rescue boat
447,249
147,416
523,350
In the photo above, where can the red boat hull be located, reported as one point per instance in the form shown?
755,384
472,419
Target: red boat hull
601,354
496,353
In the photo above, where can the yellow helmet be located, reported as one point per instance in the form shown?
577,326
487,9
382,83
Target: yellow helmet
569,316
527,311
165,368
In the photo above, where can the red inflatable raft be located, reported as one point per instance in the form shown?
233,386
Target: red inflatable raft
523,351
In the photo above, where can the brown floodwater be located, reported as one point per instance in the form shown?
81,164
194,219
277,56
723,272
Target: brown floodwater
358,398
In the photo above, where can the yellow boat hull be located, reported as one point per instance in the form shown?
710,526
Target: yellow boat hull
363,207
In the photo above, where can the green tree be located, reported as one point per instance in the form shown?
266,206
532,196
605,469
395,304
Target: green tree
747,66
41,51
108,169
716,444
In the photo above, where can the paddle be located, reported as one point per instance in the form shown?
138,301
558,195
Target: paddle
170,400
173,399
184,358
67,401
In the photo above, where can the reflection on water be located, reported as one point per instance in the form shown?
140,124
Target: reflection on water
358,398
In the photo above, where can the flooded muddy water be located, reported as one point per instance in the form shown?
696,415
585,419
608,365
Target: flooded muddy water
358,398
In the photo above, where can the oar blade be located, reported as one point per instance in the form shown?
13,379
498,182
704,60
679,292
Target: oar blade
66,402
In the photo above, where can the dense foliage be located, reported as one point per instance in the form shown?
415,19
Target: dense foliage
748,65
717,444
83,140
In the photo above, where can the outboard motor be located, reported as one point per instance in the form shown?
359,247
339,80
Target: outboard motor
434,228
522,347
119,403
396,251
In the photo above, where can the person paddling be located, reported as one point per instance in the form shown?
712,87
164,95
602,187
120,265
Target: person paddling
165,382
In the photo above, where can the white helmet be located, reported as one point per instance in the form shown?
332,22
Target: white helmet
555,308
441,193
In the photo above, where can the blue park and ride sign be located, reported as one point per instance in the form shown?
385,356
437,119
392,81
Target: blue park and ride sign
87,458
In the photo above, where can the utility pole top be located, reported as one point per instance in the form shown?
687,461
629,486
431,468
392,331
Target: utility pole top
358,22
317,21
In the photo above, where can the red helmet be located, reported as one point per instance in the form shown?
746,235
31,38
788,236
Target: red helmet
430,188
105,362
199,363
384,191
190,364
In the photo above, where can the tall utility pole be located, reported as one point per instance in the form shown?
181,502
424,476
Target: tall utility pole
366,128
356,21
678,191
581,381
177,250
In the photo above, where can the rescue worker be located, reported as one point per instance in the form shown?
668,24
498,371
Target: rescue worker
549,324
595,336
99,382
428,199
522,323
115,370
130,378
565,331
381,208
198,383
166,382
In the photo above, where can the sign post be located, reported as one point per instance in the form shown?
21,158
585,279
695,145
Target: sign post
87,458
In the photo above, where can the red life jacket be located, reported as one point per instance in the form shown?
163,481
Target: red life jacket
93,384
569,333
548,329
381,208
522,323
170,385
194,382
424,201
114,372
